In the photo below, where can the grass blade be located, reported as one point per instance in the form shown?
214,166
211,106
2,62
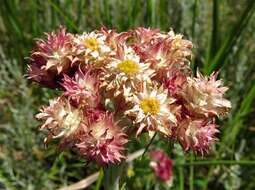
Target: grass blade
191,172
71,25
194,18
181,178
213,45
230,41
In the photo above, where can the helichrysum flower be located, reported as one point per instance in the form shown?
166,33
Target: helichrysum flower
51,57
82,89
126,71
197,135
204,95
151,110
61,119
92,47
173,51
162,165
164,49
102,140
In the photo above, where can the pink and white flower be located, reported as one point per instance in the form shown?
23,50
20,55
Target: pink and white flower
61,119
197,135
162,165
126,72
51,57
151,110
92,47
204,96
82,89
103,140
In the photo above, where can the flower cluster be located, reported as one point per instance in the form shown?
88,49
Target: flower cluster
115,84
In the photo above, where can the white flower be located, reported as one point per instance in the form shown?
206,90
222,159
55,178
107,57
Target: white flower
92,45
126,72
151,110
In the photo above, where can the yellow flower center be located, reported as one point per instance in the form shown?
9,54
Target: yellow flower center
91,43
150,105
128,67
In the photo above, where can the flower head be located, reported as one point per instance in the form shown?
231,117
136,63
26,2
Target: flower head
142,76
62,120
92,46
102,140
126,71
204,95
51,57
151,110
197,135
165,52
83,89
162,165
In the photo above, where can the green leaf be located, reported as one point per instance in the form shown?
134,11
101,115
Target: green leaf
68,20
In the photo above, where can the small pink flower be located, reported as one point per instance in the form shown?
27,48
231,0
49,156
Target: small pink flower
204,96
61,119
165,50
162,165
83,89
197,135
51,57
102,140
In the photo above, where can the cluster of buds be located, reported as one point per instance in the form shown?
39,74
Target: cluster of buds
116,84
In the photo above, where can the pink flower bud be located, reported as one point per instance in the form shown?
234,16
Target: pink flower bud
162,165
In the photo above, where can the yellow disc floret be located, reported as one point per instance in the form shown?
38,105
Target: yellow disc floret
150,105
128,67
91,43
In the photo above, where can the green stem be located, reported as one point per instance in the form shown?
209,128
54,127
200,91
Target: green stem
219,162
149,144
99,179
181,177
112,177
191,172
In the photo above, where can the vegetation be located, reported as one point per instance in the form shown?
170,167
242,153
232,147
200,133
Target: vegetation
223,34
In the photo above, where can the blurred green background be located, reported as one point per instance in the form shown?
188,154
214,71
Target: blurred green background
223,35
